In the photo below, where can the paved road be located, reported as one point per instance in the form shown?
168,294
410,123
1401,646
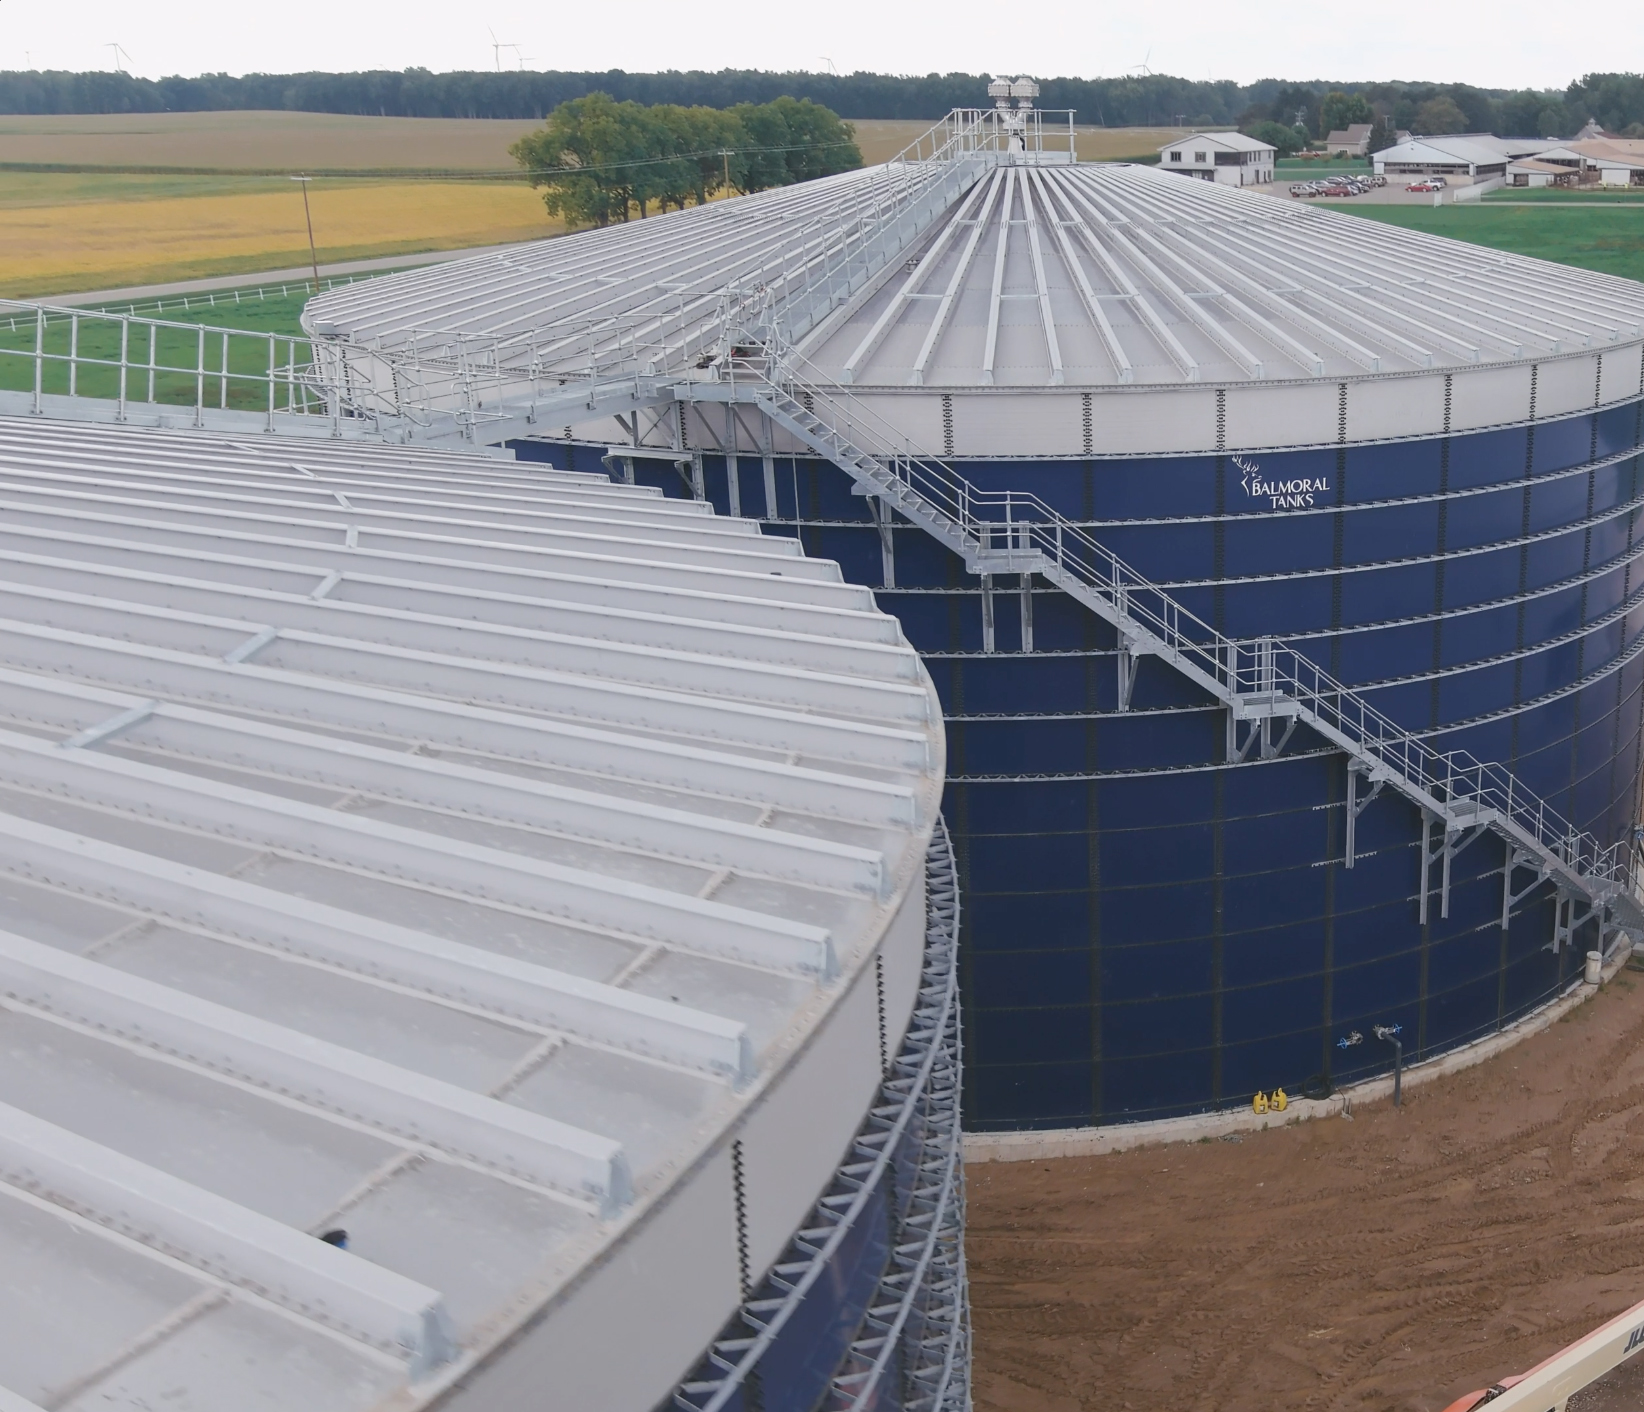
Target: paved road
294,275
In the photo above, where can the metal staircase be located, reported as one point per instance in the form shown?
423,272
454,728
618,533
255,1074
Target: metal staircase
1264,684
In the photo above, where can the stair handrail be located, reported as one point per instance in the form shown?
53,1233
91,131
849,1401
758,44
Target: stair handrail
1024,534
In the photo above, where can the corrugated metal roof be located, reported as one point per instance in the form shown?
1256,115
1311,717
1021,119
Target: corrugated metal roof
1034,275
1474,149
1095,275
1227,141
424,845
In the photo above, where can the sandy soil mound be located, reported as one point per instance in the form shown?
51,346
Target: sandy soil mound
1393,1261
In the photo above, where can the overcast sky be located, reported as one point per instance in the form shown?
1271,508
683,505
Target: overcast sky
1506,43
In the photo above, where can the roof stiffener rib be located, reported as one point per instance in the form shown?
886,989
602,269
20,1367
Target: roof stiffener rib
590,258
616,705
225,1241
777,262
697,674
997,289
750,556
1173,347
1122,367
490,636
50,458
338,838
354,767
1375,279
1253,289
1499,272
523,992
925,267
662,309
416,1108
454,587
735,536
1303,255
1117,230
1273,259
458,725
485,561
1041,285
944,309
1304,357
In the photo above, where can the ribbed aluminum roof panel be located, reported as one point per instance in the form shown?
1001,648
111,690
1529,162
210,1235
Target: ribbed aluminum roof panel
359,809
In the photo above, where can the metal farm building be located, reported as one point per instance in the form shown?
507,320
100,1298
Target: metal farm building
1277,569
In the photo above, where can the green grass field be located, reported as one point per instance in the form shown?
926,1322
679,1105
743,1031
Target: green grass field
1610,241
1563,195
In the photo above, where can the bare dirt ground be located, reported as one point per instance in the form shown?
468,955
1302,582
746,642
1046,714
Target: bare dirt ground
258,140
1391,1262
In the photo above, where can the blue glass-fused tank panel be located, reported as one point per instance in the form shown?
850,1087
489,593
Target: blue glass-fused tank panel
1150,930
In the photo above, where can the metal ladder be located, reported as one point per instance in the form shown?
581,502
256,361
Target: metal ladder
1262,683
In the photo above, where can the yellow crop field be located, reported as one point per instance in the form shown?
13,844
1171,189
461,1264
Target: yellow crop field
137,207
85,243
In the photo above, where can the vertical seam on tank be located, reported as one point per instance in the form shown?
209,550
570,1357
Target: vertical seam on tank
1523,567
1327,1006
1093,924
1218,534
1338,531
1441,552
1217,922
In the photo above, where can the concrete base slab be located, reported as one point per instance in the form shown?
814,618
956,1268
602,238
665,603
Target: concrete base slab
1198,1127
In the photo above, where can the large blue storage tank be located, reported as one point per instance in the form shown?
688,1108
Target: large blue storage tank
1152,931
1416,460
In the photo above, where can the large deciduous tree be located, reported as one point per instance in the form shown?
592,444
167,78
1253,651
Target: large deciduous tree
599,160
1340,111
1439,115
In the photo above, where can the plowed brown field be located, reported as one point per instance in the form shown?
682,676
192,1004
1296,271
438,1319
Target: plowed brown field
1393,1261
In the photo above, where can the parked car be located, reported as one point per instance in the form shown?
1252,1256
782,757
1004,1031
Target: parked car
1426,184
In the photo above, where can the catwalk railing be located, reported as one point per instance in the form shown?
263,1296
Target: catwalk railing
895,1209
130,361
1259,680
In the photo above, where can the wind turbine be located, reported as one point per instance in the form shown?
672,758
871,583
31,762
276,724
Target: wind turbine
832,69
498,45
118,53
1142,67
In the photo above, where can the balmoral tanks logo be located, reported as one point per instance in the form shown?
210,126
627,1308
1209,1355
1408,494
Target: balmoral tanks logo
1296,494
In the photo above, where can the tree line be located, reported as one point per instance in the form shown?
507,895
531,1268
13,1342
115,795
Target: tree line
1615,100
600,160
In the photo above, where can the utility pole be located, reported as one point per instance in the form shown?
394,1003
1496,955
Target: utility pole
725,155
314,259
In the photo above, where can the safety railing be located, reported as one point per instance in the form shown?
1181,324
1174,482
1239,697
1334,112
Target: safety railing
47,351
1016,532
236,297
967,131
